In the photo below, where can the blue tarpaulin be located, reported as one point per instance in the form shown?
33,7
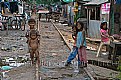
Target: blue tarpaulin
118,1
6,68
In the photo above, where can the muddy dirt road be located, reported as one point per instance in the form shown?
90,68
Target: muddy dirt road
54,53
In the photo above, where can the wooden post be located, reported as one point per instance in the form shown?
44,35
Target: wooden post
38,27
89,13
37,23
95,13
87,21
111,20
7,29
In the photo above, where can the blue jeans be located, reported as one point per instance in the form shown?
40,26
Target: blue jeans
73,55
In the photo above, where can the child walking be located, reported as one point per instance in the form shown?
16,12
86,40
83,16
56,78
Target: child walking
73,54
81,44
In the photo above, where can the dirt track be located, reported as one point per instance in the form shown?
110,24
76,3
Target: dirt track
53,54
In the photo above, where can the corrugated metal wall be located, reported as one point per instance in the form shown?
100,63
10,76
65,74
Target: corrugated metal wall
94,29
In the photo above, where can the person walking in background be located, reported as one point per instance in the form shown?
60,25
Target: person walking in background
73,54
105,38
81,45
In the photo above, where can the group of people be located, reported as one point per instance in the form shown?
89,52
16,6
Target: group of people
79,46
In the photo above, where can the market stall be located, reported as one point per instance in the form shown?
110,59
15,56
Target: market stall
40,12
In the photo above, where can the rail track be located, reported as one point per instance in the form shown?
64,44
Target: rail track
54,50
102,63
70,48
16,58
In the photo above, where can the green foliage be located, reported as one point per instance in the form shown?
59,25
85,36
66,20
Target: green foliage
119,76
119,68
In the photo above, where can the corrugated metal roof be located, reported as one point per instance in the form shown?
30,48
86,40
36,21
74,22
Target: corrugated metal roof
96,2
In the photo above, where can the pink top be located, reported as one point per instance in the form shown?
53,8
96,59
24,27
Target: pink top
104,34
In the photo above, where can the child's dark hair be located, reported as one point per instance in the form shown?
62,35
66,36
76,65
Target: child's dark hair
82,25
102,24
33,32
74,33
31,20
73,26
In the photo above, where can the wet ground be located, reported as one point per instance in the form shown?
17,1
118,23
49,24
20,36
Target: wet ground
53,55
95,71
12,44
14,52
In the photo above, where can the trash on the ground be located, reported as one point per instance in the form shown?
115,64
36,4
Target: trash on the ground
65,24
5,67
20,48
2,48
76,70
44,69
16,64
9,59
90,48
104,53
54,54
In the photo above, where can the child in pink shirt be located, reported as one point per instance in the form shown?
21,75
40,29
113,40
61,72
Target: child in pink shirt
105,38
104,35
